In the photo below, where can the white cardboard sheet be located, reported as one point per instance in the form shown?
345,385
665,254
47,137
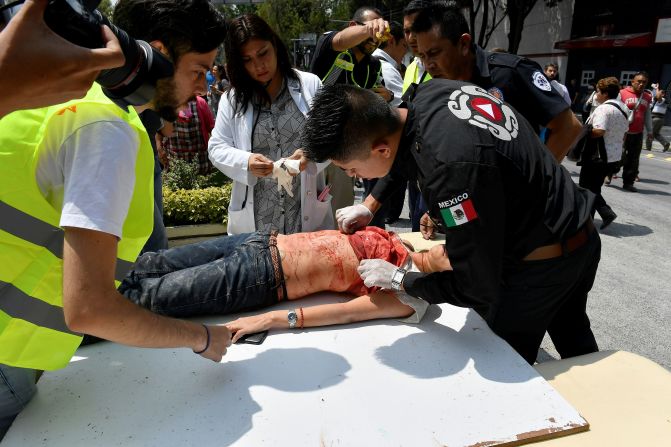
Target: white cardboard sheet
446,382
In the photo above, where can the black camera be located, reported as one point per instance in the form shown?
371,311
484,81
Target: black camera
79,22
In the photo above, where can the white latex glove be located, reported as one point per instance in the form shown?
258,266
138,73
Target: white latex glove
419,305
376,272
352,218
284,171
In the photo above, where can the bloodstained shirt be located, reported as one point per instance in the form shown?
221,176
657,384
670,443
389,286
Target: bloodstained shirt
375,243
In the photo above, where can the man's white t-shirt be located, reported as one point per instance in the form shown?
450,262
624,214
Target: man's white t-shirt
608,118
91,175
392,77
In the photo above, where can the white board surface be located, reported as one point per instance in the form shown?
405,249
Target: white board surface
446,382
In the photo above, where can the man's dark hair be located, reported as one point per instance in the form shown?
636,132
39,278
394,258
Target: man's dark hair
643,73
415,6
396,30
360,14
240,31
345,121
447,16
551,64
183,26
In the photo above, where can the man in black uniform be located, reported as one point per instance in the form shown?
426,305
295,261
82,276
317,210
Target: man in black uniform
519,236
447,50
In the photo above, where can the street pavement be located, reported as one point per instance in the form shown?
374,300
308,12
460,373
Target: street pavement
630,303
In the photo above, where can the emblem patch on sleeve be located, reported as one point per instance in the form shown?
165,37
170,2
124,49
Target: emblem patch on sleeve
457,210
479,108
541,81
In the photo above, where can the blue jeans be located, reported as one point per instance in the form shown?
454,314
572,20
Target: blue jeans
17,387
224,275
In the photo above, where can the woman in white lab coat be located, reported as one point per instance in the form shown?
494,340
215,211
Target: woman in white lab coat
259,122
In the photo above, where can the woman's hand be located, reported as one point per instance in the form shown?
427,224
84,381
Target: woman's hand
260,166
255,323
299,155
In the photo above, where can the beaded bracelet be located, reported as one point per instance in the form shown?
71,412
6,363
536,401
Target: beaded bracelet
302,318
207,343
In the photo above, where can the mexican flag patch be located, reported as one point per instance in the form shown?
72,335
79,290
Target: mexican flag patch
458,210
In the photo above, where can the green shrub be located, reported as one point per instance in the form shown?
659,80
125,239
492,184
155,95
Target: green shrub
184,175
196,206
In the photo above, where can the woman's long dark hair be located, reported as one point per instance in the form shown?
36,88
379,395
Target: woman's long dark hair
240,31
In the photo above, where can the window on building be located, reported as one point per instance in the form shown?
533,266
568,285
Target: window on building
587,75
626,77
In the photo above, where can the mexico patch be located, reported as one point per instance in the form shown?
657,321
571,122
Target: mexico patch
458,210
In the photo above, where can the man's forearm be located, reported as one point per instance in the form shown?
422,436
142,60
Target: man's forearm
349,37
564,128
372,204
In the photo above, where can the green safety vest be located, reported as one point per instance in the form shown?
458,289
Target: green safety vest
345,62
412,75
33,333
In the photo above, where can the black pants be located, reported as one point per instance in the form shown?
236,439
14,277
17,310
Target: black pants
549,295
591,178
633,143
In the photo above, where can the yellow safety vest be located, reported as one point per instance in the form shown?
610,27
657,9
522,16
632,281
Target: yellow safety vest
345,62
412,75
33,333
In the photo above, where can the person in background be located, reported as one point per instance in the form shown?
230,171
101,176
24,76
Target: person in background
551,70
345,57
59,70
610,122
591,102
447,49
258,124
638,100
190,136
218,88
415,74
658,112
390,53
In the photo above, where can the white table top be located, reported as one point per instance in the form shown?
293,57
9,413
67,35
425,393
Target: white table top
448,381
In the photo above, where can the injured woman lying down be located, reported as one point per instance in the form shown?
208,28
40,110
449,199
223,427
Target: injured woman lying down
249,271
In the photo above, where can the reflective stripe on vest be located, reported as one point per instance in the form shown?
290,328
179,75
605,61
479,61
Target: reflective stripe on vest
18,304
33,331
33,230
339,64
412,75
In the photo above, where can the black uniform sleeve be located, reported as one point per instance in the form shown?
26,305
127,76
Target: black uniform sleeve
544,101
324,55
462,183
475,247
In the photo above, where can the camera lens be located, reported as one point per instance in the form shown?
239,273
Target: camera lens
132,84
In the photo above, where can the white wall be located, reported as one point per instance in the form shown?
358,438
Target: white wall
542,28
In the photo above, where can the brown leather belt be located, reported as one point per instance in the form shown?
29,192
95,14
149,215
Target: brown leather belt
560,249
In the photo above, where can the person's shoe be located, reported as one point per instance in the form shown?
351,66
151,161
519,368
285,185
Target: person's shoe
666,147
607,181
630,188
607,217
390,220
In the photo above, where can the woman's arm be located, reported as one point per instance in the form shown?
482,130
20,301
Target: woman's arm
224,151
367,307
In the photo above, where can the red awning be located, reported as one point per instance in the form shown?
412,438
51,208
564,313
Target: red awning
640,40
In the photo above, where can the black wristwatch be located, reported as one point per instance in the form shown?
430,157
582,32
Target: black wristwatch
392,96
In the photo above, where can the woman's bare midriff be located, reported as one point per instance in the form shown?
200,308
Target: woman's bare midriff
315,262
